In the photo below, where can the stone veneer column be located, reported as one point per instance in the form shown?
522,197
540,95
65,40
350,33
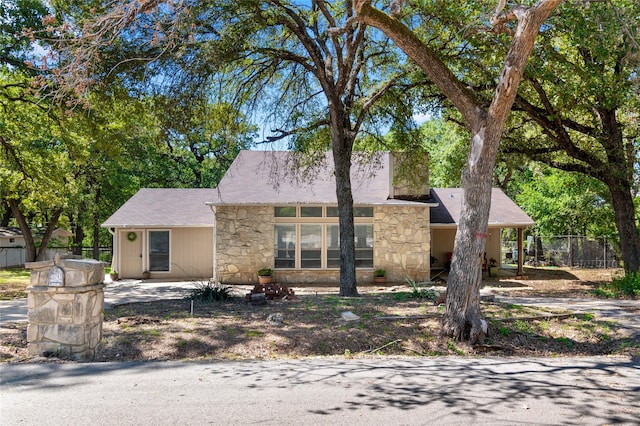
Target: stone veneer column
244,242
402,243
65,308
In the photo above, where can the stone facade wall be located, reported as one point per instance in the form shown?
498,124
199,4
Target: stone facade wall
402,237
65,308
244,243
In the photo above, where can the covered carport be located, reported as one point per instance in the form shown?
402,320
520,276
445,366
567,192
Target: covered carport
504,213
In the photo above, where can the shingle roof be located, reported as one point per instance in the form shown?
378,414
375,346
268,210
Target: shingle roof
10,232
503,212
270,178
165,207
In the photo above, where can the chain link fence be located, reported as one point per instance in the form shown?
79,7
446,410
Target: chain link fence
563,250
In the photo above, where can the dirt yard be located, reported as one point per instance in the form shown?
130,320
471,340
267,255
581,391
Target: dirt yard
391,321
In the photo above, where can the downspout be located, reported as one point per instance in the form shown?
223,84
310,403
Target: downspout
214,278
115,256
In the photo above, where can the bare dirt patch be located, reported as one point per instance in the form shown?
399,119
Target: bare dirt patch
552,282
391,322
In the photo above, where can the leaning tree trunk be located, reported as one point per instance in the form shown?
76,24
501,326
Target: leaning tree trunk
462,317
26,231
34,255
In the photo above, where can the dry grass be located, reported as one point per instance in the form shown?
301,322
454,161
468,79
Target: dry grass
166,330
13,283
312,326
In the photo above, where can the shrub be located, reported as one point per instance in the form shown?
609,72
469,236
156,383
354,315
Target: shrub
379,273
209,292
421,293
628,284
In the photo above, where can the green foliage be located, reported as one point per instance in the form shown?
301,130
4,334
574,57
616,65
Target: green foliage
448,145
15,43
421,293
627,284
564,203
265,272
379,273
210,292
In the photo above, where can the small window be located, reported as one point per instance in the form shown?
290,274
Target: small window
311,211
332,212
12,240
289,211
363,211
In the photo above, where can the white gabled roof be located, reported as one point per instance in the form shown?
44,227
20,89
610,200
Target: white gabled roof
159,207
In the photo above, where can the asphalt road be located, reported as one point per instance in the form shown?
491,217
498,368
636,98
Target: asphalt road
405,391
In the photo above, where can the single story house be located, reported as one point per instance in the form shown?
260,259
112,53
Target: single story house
278,210
12,237
13,252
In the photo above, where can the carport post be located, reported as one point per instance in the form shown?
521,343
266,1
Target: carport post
520,253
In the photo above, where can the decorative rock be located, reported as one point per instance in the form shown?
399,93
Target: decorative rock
349,316
258,299
275,319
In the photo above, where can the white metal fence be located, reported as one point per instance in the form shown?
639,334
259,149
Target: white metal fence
563,250
15,257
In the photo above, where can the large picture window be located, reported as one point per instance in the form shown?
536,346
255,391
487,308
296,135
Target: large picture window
159,251
308,237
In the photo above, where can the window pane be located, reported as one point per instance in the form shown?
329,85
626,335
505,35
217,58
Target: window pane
285,246
310,246
364,246
158,250
363,212
289,211
311,211
332,212
333,246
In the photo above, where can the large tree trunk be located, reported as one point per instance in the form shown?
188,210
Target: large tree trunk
342,148
96,226
626,223
78,237
462,318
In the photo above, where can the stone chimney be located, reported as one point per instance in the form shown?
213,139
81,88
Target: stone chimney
409,174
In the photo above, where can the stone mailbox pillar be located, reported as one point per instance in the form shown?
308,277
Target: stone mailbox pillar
66,304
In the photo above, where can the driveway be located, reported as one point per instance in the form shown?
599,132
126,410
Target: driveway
115,293
626,312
